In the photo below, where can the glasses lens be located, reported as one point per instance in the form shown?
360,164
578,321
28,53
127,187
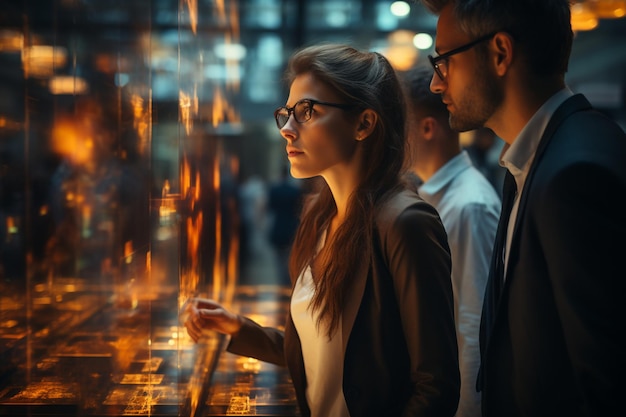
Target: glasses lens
439,66
281,115
302,111
441,69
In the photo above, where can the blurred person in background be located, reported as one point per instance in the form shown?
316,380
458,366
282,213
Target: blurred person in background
252,197
484,149
284,202
469,208
552,322
370,331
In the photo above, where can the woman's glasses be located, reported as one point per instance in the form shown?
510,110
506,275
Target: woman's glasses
302,111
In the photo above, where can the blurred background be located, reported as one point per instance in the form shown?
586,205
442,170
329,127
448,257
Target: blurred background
140,165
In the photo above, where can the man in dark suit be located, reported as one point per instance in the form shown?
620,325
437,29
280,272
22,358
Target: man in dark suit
552,323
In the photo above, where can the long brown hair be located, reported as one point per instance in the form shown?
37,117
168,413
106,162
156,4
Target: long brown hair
367,80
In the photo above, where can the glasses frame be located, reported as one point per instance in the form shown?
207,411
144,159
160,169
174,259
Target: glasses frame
434,61
313,102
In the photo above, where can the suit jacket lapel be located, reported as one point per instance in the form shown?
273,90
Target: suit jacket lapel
493,297
574,104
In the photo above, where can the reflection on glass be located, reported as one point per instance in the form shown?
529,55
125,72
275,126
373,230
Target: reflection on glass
115,202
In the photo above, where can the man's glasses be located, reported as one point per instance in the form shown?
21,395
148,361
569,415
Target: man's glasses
440,63
302,111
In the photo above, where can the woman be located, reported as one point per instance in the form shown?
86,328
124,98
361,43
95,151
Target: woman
370,330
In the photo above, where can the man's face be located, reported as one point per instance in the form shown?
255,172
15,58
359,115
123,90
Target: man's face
470,89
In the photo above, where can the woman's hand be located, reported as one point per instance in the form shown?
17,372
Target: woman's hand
203,314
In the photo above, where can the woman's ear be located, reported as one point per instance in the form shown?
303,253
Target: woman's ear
366,124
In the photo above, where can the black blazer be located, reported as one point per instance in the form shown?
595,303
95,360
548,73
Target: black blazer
555,346
398,324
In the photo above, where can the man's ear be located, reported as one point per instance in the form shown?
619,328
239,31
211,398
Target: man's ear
427,127
366,124
503,47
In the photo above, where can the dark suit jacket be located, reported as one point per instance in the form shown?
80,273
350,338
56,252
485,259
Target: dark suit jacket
555,347
400,350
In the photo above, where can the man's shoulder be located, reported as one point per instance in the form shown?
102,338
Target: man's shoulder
471,187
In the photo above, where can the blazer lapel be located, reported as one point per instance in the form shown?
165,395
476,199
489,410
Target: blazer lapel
353,302
574,104
388,214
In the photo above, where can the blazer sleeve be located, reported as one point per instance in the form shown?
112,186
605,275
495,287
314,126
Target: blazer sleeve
262,343
583,233
418,258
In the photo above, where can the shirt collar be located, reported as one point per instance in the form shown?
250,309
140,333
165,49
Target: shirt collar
518,156
446,173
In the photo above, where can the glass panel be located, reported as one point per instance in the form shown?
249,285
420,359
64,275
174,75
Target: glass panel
117,201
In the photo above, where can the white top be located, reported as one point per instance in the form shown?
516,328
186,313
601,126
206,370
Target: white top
323,358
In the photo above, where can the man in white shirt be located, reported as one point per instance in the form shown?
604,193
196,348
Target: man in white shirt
469,208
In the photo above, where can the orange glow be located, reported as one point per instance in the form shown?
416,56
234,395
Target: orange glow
233,261
41,60
68,85
72,141
11,225
609,9
192,7
222,111
194,188
245,364
218,268
142,122
11,41
232,64
185,177
9,124
188,108
221,10
234,19
86,214
190,278
583,17
401,53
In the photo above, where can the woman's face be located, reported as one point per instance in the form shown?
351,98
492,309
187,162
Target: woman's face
326,143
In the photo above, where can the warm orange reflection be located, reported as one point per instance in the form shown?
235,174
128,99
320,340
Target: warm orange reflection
609,9
218,265
582,17
73,139
401,52
11,41
62,84
142,120
192,7
41,60
188,109
221,10
222,110
190,276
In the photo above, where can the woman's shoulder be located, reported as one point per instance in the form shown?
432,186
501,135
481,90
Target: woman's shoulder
406,220
402,207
